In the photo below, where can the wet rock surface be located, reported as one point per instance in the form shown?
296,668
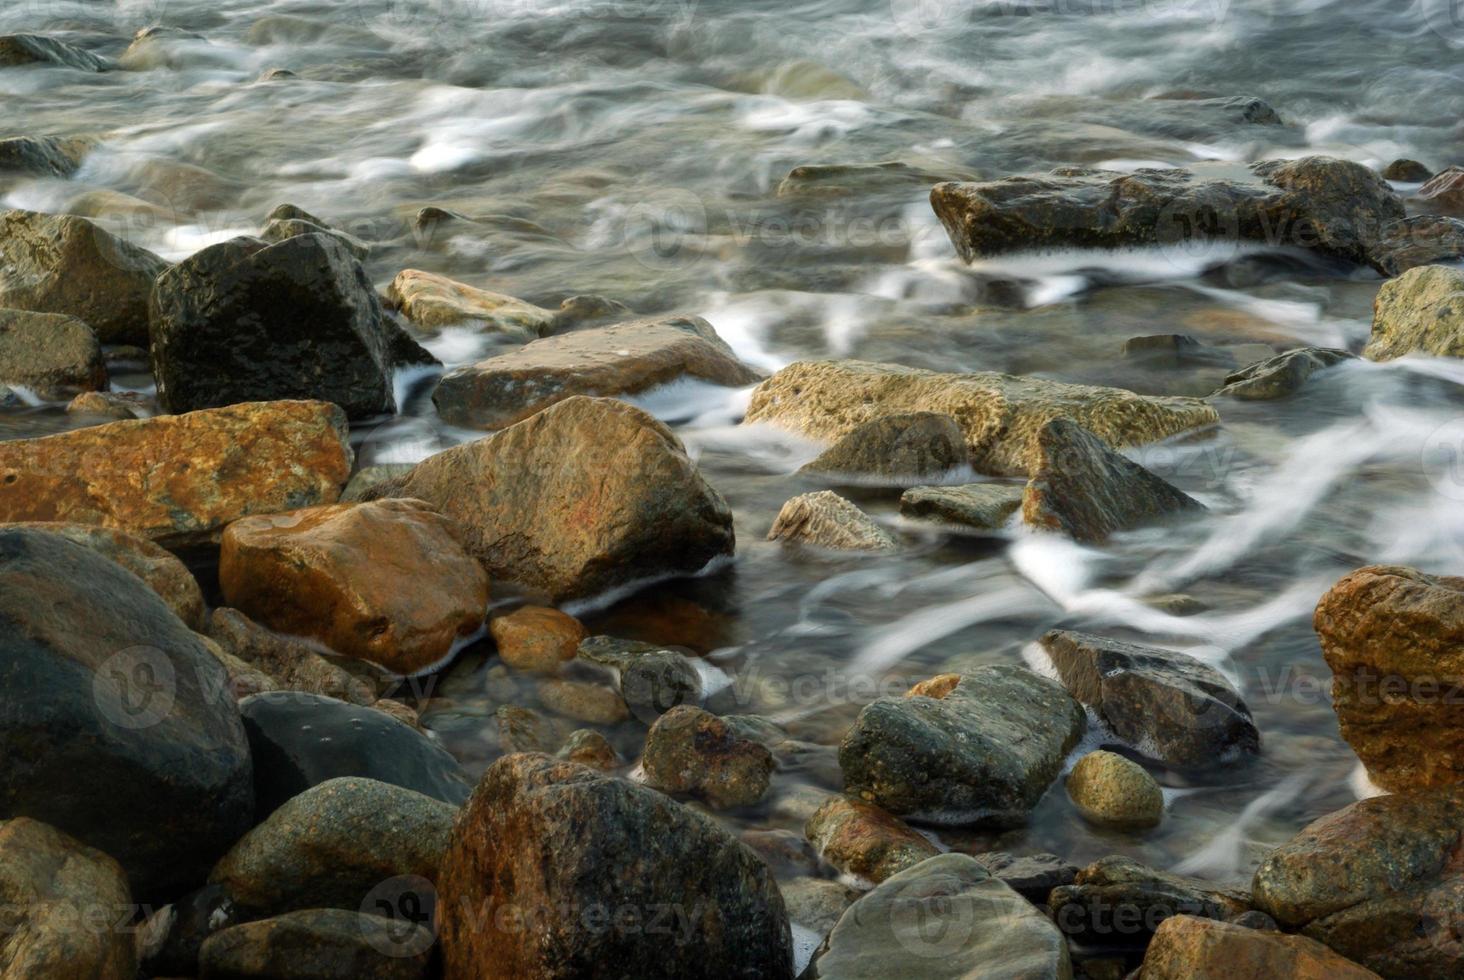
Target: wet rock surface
823,519
318,944
652,679
30,49
1420,312
290,663
53,355
1117,903
1112,790
862,840
689,750
536,639
899,448
431,302
1283,375
979,506
1189,948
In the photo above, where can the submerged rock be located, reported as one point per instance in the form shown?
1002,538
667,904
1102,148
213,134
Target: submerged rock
825,180
583,701
568,848
43,156
692,751
1000,414
981,506
431,302
1117,903
896,447
860,839
1420,312
826,520
1283,375
1110,789
32,49
54,355
178,480
623,359
318,944
1189,948
976,748
652,679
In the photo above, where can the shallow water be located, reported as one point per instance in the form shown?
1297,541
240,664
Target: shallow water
634,149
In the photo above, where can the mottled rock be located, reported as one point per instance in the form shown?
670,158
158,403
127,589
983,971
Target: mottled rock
56,263
652,679
291,663
1189,948
281,229
588,494
1407,172
584,701
623,359
1113,790
589,748
982,506
1283,375
1167,705
902,447
826,520
559,842
43,156
432,302
178,480
368,479
816,903
862,840
525,730
1087,491
1420,239
1033,876
692,751
1419,312
34,49
1001,415
318,944
1117,903
111,405
982,750
538,639
1444,192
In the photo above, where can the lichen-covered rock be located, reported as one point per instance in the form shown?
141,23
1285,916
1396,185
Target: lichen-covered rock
1394,639
1188,948
1420,312
1000,414
860,839
1087,491
558,841
622,359
826,520
980,748
692,751
1282,375
652,679
1117,903
290,663
1110,789
896,447
43,156
586,495
981,506
1167,705
56,263
432,302
178,480
538,639
31,49
53,355
1444,191
318,944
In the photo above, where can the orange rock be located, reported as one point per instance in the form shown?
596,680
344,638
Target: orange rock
536,638
178,479
1189,948
387,582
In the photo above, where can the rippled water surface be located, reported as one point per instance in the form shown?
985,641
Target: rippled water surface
634,149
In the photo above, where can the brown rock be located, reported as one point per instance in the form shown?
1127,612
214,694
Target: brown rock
1189,948
689,750
432,302
525,730
861,839
826,520
1394,638
538,639
318,944
1419,312
52,354
292,664
583,701
386,581
1444,191
108,404
179,479
589,748
1111,789
902,448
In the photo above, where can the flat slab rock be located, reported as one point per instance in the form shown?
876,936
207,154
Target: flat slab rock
1188,948
1116,903
431,302
1419,312
826,520
1000,414
979,506
900,449
622,359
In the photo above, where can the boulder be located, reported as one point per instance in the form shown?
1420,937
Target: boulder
136,748
946,918
1406,171
54,355
538,639
1420,312
1117,903
1394,639
302,740
43,156
652,679
1116,791
1444,192
431,302
290,663
1000,414
826,520
386,581
62,905
977,748
318,944
896,447
1378,881
1335,206
245,320
178,480
864,841
57,263
692,751
35,49
1281,376
1168,705
332,845
980,506
1083,489
588,494
1189,948
558,871
623,359
1420,239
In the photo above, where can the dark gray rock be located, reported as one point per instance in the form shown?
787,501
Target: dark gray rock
174,934
982,506
35,49
54,355
282,229
44,156
1033,876
899,448
1117,903
1175,350
318,944
651,679
1421,239
1407,172
1282,375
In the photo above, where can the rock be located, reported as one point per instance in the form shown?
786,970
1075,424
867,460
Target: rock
44,156
1173,350
1117,903
1336,206
651,679
826,520
1188,948
537,639
1420,312
52,354
1394,639
1420,239
946,918
848,179
526,730
57,263
785,852
588,494
1281,376
1000,414
692,751
1110,789
244,678
1407,172
1033,876
1444,192
1378,881
386,581
368,479
168,941
136,748
34,49
589,748
318,944
896,447
982,506
178,480
245,320
981,750
1087,491
432,302
559,842
302,740
53,889
116,406
290,663
816,903
583,701
283,229
333,844
158,567
1168,705
864,841
623,359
